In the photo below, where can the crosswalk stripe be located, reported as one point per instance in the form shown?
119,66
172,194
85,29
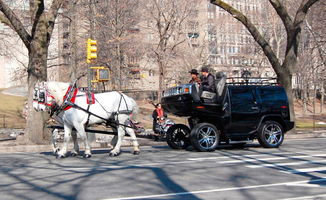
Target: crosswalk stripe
286,164
305,170
268,159
253,155
178,195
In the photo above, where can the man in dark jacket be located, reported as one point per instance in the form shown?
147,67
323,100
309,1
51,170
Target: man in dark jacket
207,81
194,76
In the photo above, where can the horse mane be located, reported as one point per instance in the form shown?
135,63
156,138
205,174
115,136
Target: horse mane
58,90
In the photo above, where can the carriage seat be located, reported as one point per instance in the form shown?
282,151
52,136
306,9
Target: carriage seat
220,81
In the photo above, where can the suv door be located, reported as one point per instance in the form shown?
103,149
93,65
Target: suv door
245,110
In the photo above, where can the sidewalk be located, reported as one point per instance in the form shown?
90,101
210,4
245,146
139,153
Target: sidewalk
9,147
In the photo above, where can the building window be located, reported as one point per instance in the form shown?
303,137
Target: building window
211,15
151,72
212,49
211,36
193,35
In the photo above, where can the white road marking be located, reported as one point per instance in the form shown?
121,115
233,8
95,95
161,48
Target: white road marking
305,139
286,164
224,157
268,159
218,190
195,160
306,197
304,185
305,170
254,155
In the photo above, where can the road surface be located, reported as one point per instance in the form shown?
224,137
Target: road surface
297,170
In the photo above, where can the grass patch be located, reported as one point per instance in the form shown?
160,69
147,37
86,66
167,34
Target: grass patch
309,124
11,108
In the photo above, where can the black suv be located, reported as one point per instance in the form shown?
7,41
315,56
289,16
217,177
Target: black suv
239,112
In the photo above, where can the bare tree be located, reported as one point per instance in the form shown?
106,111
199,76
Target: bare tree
36,40
166,23
293,27
116,30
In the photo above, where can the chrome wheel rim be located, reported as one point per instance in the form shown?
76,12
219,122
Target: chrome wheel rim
207,137
273,134
179,137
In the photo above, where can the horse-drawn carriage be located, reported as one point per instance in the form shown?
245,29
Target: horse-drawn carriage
79,109
240,111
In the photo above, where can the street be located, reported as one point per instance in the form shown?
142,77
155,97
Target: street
297,170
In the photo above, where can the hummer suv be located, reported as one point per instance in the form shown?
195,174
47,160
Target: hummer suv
240,111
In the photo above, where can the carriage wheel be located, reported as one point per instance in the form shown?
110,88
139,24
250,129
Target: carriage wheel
205,137
177,136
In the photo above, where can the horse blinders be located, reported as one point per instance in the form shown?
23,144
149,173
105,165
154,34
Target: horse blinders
42,99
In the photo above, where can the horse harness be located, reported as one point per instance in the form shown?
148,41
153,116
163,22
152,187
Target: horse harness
43,97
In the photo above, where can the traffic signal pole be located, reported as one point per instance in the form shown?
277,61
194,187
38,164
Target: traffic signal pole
91,21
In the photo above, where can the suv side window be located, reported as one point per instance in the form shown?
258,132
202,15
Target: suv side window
242,99
272,95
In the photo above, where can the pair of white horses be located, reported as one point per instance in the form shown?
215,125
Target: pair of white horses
106,106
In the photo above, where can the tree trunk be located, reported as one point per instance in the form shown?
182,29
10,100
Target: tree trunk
36,131
285,79
322,97
161,86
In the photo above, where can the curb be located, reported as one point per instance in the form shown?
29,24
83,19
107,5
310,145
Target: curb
48,147
10,148
315,134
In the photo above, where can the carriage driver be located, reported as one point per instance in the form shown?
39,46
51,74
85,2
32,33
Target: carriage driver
207,81
194,76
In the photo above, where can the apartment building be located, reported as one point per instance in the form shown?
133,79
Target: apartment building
229,46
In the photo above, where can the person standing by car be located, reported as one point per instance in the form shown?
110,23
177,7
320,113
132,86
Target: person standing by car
207,81
194,76
158,117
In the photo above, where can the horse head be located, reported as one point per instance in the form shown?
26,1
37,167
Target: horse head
42,99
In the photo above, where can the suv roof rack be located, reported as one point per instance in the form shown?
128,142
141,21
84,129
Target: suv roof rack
251,81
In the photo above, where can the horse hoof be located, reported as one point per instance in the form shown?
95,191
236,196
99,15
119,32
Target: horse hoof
73,154
58,156
136,153
87,155
114,154
55,153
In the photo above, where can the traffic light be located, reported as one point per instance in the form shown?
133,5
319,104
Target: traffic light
101,74
91,50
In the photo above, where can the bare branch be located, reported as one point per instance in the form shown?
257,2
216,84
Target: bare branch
16,24
52,14
254,32
36,11
283,13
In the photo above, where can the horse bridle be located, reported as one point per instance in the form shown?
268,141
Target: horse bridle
44,98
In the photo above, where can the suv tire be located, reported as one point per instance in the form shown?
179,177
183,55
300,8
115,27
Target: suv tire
270,134
177,136
205,137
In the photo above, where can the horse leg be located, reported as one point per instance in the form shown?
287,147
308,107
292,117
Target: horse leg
132,134
116,150
63,151
82,133
75,151
55,147
114,139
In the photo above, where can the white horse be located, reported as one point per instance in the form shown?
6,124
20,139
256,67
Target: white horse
109,105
